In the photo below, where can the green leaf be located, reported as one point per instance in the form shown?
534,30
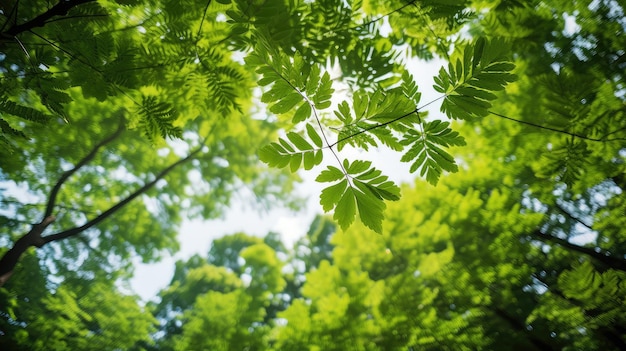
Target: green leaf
319,156
324,92
425,150
358,167
345,211
299,141
331,195
302,113
329,175
286,103
469,85
294,151
309,160
295,161
370,209
366,195
317,140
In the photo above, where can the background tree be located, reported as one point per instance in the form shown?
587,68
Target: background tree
54,64
222,302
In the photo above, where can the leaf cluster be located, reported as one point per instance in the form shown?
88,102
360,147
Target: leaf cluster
472,77
359,187
390,117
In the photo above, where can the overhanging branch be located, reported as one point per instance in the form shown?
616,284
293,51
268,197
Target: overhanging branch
60,9
601,256
104,215
55,190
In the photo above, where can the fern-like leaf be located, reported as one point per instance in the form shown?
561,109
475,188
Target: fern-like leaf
295,88
157,118
361,189
472,77
294,151
27,113
426,150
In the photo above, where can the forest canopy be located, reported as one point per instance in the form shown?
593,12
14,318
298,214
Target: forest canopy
120,120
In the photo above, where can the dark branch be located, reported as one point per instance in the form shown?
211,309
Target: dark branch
571,216
556,130
11,257
60,9
385,15
601,256
34,238
11,15
106,214
85,160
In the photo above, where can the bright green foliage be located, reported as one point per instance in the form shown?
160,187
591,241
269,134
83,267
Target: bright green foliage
471,78
293,151
361,187
107,50
391,117
222,303
157,118
426,152
74,316
366,122
168,64
97,318
294,84
218,321
523,248
426,27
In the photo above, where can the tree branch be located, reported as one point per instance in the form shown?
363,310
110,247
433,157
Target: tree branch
32,238
104,215
60,9
602,256
571,216
55,190
556,130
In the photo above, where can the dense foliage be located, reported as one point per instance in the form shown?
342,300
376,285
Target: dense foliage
118,119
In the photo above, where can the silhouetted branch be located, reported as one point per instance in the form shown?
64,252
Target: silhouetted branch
104,215
556,130
11,257
55,190
601,256
60,9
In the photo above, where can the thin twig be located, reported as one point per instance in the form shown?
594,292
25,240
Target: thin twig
556,130
383,16
78,16
206,8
